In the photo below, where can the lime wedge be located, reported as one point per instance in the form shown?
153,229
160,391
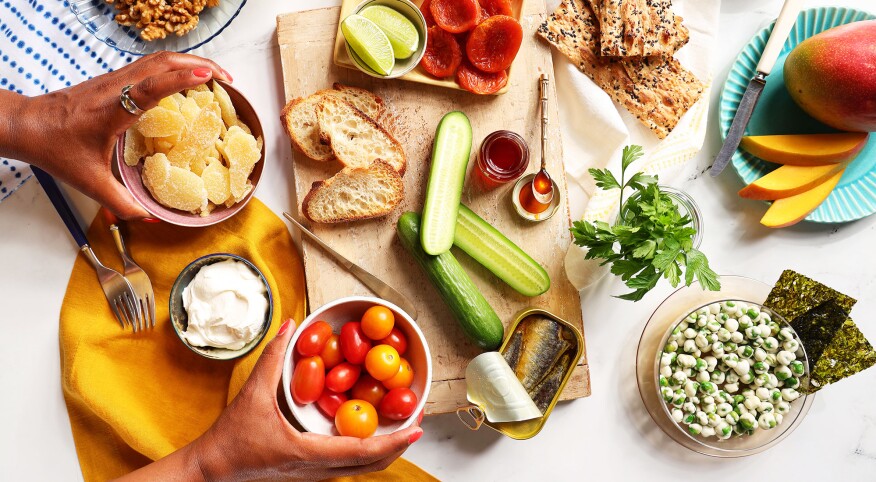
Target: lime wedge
369,42
401,32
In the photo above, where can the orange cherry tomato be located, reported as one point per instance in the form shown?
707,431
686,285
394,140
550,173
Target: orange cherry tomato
403,378
368,389
331,353
378,322
382,362
397,340
308,380
313,338
356,418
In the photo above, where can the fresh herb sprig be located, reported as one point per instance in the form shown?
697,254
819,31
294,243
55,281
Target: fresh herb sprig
650,239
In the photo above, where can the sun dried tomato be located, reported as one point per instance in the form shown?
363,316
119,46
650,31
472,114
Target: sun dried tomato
493,44
496,7
443,55
455,16
479,82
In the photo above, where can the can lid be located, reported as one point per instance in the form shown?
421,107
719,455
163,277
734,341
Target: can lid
495,389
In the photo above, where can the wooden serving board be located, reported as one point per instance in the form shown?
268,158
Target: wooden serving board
307,41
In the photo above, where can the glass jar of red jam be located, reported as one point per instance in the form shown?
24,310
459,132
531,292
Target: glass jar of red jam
503,157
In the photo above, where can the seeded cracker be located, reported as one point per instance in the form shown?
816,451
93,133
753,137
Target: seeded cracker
795,294
657,90
638,28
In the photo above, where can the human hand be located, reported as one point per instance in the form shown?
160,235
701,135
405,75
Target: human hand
71,133
252,440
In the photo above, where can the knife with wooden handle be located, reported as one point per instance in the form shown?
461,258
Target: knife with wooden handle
373,283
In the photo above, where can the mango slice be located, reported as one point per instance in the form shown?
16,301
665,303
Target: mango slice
806,149
788,181
791,210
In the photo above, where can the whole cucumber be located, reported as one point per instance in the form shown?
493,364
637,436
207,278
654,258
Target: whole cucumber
476,317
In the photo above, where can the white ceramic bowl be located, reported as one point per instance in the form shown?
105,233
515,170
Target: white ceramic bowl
336,314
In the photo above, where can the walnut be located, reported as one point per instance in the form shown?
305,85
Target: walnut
157,18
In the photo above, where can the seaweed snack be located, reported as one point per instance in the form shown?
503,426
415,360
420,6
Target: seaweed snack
847,354
795,294
817,328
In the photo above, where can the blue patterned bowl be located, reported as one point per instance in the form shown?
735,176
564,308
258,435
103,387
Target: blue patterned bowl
776,113
98,17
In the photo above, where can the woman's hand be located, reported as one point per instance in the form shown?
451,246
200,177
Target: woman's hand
71,133
252,440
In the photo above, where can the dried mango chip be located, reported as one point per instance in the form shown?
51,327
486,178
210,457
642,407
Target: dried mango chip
173,187
229,114
203,134
203,99
135,147
217,181
160,122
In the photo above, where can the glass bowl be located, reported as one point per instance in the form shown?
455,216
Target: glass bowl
98,17
657,331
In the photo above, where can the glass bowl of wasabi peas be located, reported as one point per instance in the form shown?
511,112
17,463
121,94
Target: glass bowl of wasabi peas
722,378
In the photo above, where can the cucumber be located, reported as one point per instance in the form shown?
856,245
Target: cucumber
498,254
450,155
476,317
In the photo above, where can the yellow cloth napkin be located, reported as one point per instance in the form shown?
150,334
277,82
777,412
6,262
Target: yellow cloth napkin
134,398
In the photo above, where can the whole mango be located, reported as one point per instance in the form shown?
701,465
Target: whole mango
832,76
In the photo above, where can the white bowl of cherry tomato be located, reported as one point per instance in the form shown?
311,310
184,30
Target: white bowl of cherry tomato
358,366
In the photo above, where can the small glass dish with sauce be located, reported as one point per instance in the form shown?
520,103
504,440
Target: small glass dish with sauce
530,208
502,158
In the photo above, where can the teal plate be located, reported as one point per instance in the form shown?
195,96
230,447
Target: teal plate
776,113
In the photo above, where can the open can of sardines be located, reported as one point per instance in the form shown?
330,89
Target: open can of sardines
514,390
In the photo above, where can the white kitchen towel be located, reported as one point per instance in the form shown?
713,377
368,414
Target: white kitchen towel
44,48
595,129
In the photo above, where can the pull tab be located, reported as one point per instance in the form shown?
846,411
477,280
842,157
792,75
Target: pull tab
472,416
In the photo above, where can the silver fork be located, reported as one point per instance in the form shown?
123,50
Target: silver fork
117,289
136,276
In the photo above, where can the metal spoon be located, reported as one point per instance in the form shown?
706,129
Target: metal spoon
542,185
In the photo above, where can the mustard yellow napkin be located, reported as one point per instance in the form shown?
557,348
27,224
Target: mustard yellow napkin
134,398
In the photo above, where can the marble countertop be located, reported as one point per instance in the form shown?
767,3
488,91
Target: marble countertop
607,436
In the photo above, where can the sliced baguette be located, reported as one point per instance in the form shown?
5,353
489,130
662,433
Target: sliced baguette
354,193
299,121
370,104
355,138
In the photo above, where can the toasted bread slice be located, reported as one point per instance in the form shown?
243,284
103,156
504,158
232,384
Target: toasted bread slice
355,138
370,104
299,121
354,193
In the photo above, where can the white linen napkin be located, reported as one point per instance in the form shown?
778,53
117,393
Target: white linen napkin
595,129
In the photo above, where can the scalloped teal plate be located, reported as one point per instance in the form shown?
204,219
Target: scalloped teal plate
776,113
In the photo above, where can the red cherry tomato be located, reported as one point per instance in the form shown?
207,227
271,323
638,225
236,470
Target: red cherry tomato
354,343
368,389
382,362
397,340
331,354
356,418
377,322
342,377
308,380
398,404
313,338
329,402
403,378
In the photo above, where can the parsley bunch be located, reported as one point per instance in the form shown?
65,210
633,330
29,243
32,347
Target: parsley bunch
651,238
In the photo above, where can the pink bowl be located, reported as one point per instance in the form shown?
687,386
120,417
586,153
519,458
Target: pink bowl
131,176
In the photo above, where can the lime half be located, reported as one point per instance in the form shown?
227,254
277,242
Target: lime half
369,42
401,31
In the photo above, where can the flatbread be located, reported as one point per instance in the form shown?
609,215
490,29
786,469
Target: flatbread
638,28
657,90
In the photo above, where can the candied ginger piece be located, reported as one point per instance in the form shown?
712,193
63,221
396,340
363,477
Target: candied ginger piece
189,110
173,187
229,115
236,199
207,210
198,164
165,144
202,135
243,126
135,147
203,99
160,122
217,181
179,98
169,103
200,88
242,153
149,143
260,143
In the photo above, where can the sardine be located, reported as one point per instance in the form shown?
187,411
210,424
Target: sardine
545,391
542,344
512,350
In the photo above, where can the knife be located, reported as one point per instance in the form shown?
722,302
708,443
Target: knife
379,288
768,58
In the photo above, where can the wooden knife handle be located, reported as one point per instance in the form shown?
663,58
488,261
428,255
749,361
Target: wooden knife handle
780,33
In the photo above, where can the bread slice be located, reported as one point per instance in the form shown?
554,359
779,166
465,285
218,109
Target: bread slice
354,193
299,121
355,138
370,104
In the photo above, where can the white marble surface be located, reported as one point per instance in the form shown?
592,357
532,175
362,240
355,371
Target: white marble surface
604,437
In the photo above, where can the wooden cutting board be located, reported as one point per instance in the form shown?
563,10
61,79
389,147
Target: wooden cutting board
306,42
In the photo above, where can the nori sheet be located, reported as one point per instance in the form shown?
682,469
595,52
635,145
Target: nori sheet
848,354
795,294
818,327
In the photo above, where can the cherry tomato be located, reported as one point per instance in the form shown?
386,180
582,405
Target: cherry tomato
402,379
308,380
368,389
342,377
382,362
329,402
313,338
356,418
397,340
354,343
377,322
398,404
331,354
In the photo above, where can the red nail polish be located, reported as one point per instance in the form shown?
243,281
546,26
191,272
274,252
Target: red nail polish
202,72
151,220
227,75
283,328
415,436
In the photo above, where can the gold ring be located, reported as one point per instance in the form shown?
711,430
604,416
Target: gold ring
128,103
